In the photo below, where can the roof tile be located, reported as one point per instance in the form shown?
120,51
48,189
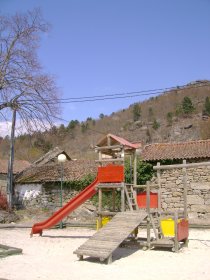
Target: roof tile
181,150
73,170
19,165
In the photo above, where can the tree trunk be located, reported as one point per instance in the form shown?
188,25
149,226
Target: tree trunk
11,162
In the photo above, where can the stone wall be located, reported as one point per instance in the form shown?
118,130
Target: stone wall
198,191
40,196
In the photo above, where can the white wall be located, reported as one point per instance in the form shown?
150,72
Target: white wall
22,189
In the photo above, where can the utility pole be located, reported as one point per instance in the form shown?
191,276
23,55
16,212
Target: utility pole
11,161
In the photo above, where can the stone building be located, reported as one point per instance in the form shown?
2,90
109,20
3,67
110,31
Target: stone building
198,178
39,186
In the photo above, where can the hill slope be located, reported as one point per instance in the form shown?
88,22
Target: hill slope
159,119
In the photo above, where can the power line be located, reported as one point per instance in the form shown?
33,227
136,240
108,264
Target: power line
127,94
114,95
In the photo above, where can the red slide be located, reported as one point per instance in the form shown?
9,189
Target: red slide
75,202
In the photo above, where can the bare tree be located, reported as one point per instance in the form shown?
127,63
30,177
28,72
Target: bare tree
23,84
24,89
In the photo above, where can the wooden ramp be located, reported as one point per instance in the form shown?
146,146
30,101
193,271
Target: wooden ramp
102,244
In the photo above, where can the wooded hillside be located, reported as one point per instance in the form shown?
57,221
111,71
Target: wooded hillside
178,115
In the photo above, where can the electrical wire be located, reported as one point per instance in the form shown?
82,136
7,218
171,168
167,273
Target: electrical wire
114,96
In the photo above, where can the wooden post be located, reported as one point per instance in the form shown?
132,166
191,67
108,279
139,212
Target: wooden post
109,259
100,157
185,189
176,242
108,140
159,201
113,200
100,208
148,215
159,188
135,174
122,198
135,169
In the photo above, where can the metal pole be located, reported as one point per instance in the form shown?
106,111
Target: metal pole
61,192
148,214
11,162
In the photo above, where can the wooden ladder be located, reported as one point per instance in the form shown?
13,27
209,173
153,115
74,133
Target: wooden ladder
131,197
156,226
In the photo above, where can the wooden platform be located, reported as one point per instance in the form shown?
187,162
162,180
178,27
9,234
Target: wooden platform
7,251
102,244
164,242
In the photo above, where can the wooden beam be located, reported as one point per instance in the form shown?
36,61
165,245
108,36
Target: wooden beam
110,160
109,186
109,147
159,187
148,215
113,200
176,243
185,189
100,208
135,169
144,186
188,165
106,213
123,199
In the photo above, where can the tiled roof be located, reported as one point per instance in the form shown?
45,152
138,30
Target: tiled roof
19,165
73,170
118,140
182,150
51,156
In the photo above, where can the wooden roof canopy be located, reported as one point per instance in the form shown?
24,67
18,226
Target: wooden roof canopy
112,144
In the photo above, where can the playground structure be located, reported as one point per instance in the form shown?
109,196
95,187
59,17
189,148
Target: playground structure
136,208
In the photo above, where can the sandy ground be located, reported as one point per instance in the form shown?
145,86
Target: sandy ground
51,257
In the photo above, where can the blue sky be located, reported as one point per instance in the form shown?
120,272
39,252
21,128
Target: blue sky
100,47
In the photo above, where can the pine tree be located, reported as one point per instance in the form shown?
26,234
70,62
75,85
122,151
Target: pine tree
187,105
206,110
136,112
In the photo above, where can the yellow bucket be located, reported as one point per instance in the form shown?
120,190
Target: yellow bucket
168,227
105,220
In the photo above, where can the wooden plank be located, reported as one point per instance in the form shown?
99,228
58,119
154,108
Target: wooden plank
187,165
92,253
162,242
7,250
102,243
108,238
109,160
185,189
109,147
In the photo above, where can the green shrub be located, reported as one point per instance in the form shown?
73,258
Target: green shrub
206,109
169,118
155,125
79,185
144,172
187,105
136,112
